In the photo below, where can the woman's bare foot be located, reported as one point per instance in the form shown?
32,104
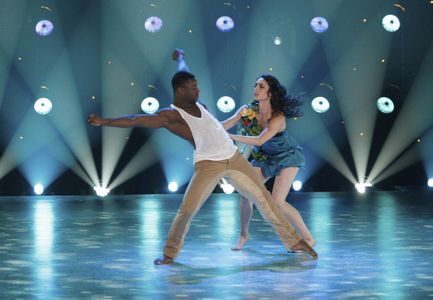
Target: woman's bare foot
241,242
310,242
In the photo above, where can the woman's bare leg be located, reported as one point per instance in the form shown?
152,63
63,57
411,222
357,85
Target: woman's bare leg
246,211
281,188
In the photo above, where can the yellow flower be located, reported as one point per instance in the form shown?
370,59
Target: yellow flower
249,113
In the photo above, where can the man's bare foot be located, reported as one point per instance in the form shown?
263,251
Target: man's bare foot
303,247
241,242
163,261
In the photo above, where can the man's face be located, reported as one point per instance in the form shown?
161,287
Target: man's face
190,90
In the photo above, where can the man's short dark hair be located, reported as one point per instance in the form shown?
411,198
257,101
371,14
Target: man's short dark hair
180,78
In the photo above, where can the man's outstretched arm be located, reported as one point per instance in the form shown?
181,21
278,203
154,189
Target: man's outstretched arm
158,120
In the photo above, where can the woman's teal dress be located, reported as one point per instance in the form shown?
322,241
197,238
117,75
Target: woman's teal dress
280,152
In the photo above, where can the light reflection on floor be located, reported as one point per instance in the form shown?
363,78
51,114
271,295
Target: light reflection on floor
378,245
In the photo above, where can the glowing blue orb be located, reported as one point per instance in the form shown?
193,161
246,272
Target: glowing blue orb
226,104
385,105
44,27
153,24
38,189
225,23
43,106
172,186
320,104
297,185
390,23
149,105
277,41
319,24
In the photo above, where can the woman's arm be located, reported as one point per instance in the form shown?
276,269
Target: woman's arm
233,120
276,125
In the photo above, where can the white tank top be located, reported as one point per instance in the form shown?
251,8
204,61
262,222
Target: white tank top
212,142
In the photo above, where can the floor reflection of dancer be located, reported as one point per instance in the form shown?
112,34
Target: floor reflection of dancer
275,152
215,157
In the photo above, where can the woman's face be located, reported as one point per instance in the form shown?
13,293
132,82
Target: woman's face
261,90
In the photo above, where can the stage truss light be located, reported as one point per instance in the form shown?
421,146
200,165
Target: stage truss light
43,106
319,24
226,187
149,105
430,182
44,27
153,24
226,104
225,23
38,189
172,186
385,105
390,23
297,185
101,191
320,104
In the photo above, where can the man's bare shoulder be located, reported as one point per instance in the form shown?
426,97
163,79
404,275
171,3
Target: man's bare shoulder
170,114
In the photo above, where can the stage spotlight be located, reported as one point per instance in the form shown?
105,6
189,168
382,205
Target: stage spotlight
390,23
297,185
385,105
149,105
38,189
172,186
227,187
44,27
360,187
100,191
320,104
226,104
319,24
153,24
43,106
225,23
277,41
430,182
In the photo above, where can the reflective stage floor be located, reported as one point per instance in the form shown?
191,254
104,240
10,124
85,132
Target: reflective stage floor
373,246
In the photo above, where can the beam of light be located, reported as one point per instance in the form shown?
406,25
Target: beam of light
314,134
286,60
426,152
405,160
68,116
147,56
353,67
144,158
36,148
14,19
176,160
118,100
414,117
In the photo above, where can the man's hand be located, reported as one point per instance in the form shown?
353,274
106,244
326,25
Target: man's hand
94,120
177,54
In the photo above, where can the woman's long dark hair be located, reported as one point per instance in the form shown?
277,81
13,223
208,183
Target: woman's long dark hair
289,105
